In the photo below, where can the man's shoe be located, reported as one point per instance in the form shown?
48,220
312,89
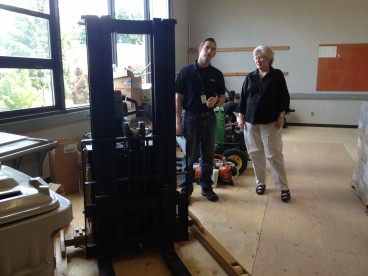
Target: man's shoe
210,195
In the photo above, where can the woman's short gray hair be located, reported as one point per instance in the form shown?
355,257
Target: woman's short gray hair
265,50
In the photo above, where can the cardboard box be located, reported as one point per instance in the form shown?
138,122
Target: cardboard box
128,83
130,87
123,73
57,188
63,162
135,94
146,95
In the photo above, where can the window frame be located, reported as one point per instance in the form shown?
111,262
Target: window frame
54,64
58,110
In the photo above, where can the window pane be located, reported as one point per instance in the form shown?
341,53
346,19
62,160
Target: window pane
74,49
25,88
132,10
159,9
130,48
131,56
38,6
24,36
72,11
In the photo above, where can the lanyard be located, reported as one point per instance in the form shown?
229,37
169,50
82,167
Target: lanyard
200,79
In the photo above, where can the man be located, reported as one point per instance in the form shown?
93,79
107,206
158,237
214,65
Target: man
199,87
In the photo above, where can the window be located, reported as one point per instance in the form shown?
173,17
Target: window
159,9
130,48
36,5
74,52
26,64
43,58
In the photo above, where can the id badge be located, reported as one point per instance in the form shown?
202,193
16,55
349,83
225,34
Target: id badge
203,99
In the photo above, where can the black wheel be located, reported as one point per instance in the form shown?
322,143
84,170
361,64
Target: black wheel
239,156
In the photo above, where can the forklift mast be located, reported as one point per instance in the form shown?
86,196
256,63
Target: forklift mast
130,196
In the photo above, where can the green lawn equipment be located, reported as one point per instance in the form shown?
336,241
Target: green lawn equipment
231,156
229,138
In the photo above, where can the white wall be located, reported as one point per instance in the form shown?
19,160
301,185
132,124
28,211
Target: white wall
301,25
181,14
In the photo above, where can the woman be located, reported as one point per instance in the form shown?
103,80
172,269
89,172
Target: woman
263,101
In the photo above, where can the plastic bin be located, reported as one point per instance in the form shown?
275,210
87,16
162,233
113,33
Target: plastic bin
24,153
30,216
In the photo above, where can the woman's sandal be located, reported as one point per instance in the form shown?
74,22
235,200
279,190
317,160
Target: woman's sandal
260,189
285,195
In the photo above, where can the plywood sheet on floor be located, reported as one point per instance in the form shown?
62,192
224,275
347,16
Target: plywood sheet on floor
235,220
323,230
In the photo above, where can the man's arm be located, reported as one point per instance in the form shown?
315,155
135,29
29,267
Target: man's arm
179,108
221,100
212,102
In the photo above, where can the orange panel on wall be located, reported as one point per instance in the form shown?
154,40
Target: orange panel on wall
343,67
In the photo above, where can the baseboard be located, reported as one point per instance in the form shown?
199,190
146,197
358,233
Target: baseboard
322,125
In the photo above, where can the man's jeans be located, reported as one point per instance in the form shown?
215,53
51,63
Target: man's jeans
200,129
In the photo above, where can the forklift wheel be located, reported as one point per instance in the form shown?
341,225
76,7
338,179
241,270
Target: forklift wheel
239,156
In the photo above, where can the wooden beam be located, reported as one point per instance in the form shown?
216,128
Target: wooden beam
239,49
61,263
221,255
237,74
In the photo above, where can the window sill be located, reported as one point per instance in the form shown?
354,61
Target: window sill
48,120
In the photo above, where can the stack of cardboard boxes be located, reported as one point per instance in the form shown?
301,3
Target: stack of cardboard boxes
64,167
360,173
147,94
129,85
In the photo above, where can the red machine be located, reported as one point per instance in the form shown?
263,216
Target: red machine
227,170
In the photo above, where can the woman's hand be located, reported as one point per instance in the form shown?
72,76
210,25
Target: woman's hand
241,121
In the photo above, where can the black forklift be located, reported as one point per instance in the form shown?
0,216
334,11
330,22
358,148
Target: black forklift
130,197
131,200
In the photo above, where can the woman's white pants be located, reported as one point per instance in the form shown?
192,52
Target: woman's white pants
265,141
